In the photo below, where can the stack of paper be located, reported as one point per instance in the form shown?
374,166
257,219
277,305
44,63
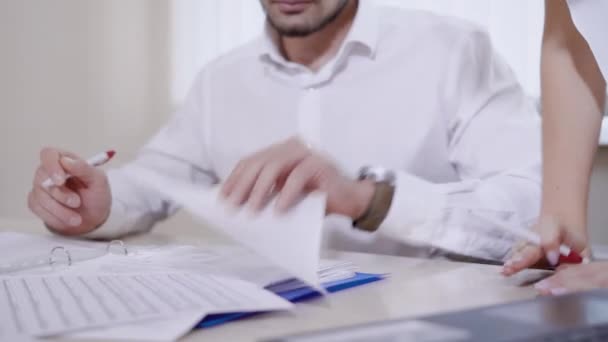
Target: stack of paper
227,262
51,305
131,296
334,270
329,271
170,329
291,241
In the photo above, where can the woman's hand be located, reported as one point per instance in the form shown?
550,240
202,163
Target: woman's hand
552,235
574,278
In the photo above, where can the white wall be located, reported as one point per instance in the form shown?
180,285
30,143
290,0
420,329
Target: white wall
203,30
515,27
85,75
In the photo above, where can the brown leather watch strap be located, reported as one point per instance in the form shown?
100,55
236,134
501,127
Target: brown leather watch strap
378,208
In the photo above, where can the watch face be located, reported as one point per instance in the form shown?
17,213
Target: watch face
364,172
377,174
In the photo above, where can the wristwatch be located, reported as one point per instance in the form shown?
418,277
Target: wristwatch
381,200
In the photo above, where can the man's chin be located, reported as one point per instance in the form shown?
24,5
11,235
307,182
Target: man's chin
295,33
293,30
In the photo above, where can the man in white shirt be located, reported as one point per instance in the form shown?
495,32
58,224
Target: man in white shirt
331,87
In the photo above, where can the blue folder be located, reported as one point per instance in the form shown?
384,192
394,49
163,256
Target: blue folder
295,295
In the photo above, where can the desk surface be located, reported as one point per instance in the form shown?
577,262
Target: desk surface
415,287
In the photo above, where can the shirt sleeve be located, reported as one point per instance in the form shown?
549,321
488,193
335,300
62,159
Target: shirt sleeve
494,146
179,151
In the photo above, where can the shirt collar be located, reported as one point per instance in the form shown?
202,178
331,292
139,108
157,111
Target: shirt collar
363,32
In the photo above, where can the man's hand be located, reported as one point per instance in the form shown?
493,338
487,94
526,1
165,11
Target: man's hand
291,170
552,236
74,205
573,278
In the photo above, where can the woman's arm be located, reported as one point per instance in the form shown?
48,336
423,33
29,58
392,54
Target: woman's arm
573,96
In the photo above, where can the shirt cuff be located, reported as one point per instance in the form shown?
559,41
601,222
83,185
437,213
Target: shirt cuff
415,203
115,226
121,220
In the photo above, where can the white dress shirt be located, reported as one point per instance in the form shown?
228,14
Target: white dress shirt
591,19
423,95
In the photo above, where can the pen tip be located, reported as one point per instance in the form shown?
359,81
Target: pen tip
111,153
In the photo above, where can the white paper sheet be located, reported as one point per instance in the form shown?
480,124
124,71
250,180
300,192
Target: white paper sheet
291,241
27,252
227,260
160,330
223,260
50,305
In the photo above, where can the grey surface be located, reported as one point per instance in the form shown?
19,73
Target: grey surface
532,320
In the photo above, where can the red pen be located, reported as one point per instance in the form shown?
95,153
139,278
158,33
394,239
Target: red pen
95,161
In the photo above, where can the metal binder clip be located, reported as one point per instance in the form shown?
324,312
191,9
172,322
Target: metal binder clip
114,244
53,255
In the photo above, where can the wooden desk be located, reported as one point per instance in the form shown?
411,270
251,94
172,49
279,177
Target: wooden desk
415,287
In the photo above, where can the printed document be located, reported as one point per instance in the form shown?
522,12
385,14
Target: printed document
291,241
51,305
